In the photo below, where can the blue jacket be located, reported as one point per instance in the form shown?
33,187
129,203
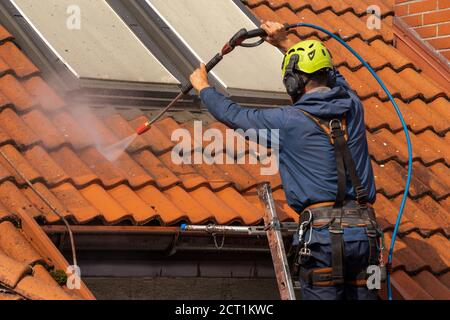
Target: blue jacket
307,162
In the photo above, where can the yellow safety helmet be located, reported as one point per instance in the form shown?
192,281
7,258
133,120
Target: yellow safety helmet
309,57
312,56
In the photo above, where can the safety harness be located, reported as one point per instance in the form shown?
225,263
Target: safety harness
336,217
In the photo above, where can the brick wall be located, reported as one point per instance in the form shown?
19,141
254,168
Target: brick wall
430,19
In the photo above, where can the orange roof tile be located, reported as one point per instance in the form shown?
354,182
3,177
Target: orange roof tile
47,141
24,273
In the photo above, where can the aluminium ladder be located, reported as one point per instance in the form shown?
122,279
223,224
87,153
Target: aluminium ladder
276,244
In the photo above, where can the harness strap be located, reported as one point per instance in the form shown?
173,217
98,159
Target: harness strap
337,134
335,129
373,247
323,277
337,251
339,152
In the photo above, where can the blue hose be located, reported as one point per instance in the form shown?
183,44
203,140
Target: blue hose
405,128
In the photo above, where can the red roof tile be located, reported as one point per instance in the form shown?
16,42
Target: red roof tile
45,131
187,206
16,93
47,99
24,273
71,130
16,61
108,208
17,129
48,142
172,205
52,173
79,172
77,205
108,173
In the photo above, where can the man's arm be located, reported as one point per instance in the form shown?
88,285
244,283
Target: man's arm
232,114
236,116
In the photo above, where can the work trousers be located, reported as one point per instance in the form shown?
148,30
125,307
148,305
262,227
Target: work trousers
356,253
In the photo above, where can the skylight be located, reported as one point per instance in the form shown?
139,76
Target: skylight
203,26
99,46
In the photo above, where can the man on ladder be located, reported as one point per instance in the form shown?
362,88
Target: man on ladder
324,165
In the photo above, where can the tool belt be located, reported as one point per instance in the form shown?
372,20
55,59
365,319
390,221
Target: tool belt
336,217
345,217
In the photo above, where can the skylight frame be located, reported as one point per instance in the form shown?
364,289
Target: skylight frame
66,80
246,96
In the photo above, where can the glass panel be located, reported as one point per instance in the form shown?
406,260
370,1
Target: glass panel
92,41
204,26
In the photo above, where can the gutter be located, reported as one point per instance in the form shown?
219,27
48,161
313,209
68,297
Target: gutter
154,238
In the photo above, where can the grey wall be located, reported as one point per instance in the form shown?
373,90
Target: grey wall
161,288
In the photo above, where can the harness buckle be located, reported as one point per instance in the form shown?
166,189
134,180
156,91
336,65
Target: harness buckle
335,124
305,252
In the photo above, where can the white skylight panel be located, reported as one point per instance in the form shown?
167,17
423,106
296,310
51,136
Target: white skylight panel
204,26
93,42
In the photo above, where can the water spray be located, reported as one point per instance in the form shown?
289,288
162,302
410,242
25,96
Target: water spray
239,40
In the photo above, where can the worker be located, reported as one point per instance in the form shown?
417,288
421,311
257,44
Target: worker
324,165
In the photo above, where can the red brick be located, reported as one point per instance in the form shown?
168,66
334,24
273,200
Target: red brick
413,21
427,31
446,54
440,43
401,10
443,4
436,17
422,6
444,29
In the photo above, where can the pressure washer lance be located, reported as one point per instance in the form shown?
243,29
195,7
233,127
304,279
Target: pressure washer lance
237,40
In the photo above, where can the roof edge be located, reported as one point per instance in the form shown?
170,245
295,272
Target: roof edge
432,63
46,247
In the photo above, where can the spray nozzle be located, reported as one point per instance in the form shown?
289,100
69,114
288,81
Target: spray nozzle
143,128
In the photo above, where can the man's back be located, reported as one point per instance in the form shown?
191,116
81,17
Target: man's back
307,162
338,237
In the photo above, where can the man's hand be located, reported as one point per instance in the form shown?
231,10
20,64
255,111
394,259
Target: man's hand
199,78
277,35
